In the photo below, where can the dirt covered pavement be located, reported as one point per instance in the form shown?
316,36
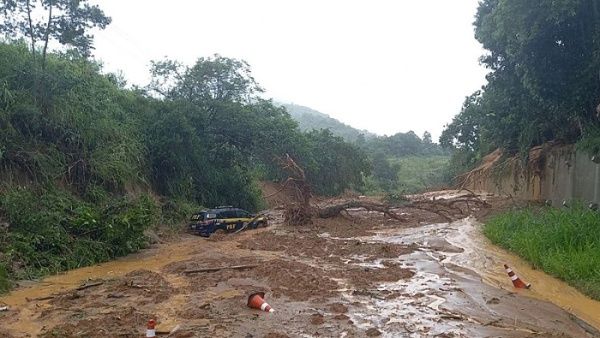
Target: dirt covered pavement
357,275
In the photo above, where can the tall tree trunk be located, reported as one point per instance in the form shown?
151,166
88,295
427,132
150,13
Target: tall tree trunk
33,54
47,34
31,32
44,101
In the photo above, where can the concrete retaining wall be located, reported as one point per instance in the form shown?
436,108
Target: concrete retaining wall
552,173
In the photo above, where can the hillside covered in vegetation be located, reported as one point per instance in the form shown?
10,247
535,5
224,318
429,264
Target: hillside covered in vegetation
401,163
309,119
87,164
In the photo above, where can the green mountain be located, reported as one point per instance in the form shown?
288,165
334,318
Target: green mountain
309,119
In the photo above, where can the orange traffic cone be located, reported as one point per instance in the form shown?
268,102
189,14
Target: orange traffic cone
257,301
150,331
517,282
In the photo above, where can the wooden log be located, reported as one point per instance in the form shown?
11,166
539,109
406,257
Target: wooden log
87,286
234,267
39,299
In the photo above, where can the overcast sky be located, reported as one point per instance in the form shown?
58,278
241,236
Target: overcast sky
385,66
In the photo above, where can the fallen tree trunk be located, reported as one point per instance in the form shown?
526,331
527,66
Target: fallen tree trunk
449,210
301,211
335,210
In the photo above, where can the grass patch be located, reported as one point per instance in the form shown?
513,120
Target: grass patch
562,242
417,173
5,283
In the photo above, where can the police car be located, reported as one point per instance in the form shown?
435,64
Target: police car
225,219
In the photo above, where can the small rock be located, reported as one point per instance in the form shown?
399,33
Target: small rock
317,319
276,335
493,301
341,317
338,308
373,332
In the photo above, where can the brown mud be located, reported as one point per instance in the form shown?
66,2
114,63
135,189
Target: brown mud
357,275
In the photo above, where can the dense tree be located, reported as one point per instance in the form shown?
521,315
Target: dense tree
217,107
385,173
543,83
403,144
211,79
39,21
333,165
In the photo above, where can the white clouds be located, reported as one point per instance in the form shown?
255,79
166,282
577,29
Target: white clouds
386,66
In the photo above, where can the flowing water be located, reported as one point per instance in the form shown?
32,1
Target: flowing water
487,260
438,243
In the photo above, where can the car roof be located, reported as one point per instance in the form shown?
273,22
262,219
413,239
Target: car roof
219,209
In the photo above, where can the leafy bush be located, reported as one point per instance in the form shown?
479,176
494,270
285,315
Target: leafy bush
563,242
5,283
52,230
590,142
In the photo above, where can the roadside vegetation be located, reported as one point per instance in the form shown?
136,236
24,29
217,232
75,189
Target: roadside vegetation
563,242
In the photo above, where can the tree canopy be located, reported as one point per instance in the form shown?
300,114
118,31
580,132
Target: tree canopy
66,21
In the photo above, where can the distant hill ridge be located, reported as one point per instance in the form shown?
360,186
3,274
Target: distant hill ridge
309,119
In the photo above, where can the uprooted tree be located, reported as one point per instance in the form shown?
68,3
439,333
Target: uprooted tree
301,212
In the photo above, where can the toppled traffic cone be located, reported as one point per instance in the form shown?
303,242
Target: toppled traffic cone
150,330
517,282
257,301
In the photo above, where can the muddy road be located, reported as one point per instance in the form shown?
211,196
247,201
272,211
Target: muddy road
359,275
